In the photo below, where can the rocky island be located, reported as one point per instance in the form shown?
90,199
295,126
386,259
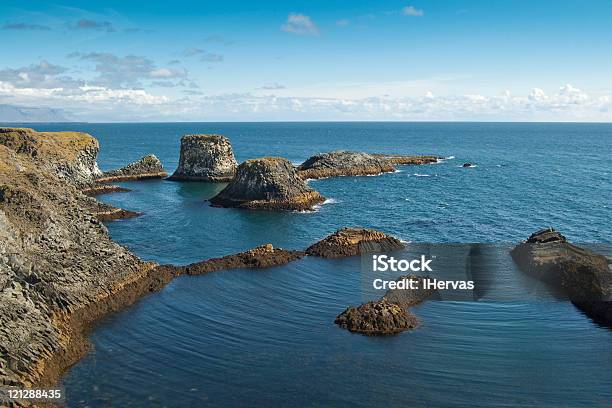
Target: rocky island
343,163
405,160
269,183
205,158
148,167
377,318
582,275
354,241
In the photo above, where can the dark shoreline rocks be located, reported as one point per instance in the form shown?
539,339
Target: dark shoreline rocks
343,163
103,189
205,158
147,167
269,183
405,160
582,275
354,241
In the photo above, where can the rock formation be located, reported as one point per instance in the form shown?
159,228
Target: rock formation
354,241
379,317
409,297
582,275
70,155
205,158
342,163
99,189
398,159
467,165
264,256
147,167
269,183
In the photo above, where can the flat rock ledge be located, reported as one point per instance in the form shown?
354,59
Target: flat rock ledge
343,163
354,241
376,318
205,158
103,189
148,167
583,276
269,183
264,256
403,160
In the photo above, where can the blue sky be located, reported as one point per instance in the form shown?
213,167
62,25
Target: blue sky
307,60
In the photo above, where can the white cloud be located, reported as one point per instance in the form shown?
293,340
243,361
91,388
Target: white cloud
343,22
412,11
300,24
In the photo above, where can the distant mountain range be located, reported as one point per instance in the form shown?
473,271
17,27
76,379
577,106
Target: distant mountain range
12,113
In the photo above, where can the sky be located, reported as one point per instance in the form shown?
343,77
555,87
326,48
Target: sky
309,60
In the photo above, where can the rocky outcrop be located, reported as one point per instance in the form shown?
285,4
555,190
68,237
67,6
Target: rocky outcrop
399,159
379,317
205,158
354,241
148,167
264,256
70,155
582,275
99,189
343,163
269,183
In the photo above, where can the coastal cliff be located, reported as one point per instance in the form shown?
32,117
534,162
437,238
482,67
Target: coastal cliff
70,155
205,158
269,183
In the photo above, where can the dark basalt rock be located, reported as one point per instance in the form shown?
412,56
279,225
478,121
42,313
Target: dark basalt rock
103,189
582,275
269,183
399,159
343,163
264,256
205,158
379,317
467,164
354,241
147,167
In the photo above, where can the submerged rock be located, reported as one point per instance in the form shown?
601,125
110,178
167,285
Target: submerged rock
582,275
343,163
205,158
398,159
147,167
379,317
270,183
354,241
467,164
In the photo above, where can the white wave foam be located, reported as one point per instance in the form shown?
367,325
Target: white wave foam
424,175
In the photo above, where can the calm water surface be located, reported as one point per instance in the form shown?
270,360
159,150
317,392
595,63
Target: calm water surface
267,338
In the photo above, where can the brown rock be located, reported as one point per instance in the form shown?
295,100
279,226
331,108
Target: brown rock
148,167
354,241
379,317
343,163
398,159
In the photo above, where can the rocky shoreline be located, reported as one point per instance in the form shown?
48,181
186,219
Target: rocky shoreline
580,274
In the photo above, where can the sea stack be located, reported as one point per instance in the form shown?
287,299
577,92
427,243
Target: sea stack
269,183
147,167
205,158
343,163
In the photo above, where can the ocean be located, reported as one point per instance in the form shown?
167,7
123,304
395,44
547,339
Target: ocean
267,338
